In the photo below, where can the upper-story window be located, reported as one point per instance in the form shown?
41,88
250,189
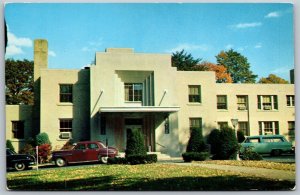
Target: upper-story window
133,92
290,100
195,93
18,129
242,102
66,93
222,102
267,102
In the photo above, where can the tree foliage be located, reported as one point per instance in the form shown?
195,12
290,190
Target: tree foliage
222,76
237,66
19,81
184,61
273,79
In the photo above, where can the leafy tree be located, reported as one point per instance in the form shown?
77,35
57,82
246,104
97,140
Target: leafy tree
272,78
19,81
184,61
237,66
42,138
222,76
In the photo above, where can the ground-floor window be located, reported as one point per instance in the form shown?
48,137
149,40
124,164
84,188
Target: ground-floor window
291,131
195,123
243,127
222,124
268,127
18,129
65,128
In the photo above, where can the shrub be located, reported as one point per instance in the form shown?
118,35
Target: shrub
28,149
196,142
44,152
141,159
135,143
240,136
249,154
9,145
117,160
197,156
213,140
227,145
42,138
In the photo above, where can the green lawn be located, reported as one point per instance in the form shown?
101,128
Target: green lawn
150,177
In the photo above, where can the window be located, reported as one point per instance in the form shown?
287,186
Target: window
65,125
267,102
290,100
243,126
252,140
291,131
195,123
133,92
268,128
242,102
65,93
222,102
195,93
222,125
18,129
92,146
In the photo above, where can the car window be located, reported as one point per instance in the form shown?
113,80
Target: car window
254,140
80,147
278,139
267,139
93,146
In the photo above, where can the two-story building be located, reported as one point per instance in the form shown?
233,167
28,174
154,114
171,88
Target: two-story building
125,90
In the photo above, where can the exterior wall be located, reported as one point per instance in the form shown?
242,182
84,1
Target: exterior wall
52,109
19,113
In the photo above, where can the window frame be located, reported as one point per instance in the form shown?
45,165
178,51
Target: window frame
194,98
290,100
195,120
244,130
265,105
220,105
66,97
135,97
291,128
222,124
270,126
242,105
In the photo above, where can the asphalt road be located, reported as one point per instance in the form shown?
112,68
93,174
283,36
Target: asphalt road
288,158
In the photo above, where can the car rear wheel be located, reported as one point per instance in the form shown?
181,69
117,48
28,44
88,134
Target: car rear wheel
276,152
20,166
60,162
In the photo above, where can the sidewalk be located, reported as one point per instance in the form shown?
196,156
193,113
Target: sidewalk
257,172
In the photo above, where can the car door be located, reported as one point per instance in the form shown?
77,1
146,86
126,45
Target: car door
78,154
92,152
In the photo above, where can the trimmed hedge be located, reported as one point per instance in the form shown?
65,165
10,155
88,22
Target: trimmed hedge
195,156
134,159
196,142
135,143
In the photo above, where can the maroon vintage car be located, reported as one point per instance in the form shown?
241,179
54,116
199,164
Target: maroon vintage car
86,151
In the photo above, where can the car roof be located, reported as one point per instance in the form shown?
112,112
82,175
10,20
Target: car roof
258,136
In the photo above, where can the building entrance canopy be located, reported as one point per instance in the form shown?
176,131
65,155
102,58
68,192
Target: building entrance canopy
140,109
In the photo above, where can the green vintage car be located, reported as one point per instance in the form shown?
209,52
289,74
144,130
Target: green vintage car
267,144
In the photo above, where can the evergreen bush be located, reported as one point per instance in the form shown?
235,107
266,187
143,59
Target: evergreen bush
196,156
135,143
42,138
9,145
249,154
240,136
196,142
227,145
214,141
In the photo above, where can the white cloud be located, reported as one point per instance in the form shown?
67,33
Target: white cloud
258,45
229,46
188,47
13,50
273,15
246,25
51,53
15,44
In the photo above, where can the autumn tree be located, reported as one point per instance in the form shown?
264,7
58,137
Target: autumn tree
237,66
222,76
184,61
19,81
273,79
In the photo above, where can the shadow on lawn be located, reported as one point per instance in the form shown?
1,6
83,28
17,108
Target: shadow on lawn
109,183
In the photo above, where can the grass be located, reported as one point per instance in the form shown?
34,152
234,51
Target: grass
150,177
257,164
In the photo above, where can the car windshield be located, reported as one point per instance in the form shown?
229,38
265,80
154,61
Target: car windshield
9,151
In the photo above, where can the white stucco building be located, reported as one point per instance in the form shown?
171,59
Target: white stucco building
125,89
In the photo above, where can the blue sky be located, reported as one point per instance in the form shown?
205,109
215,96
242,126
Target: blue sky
261,32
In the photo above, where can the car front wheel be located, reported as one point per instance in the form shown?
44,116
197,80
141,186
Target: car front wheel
20,166
276,152
60,162
103,159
